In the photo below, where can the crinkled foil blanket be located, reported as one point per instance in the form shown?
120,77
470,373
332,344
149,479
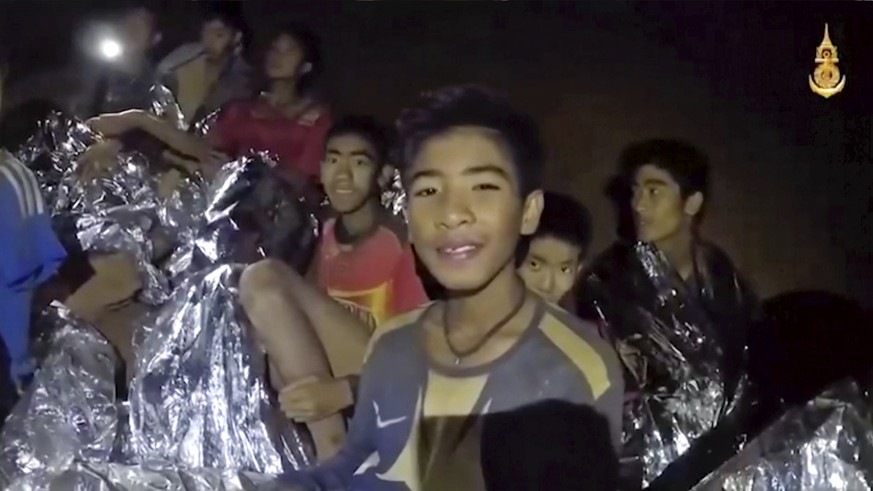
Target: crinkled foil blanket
683,388
198,414
826,445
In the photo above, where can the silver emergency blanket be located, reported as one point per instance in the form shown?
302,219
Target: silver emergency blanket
684,348
198,396
203,126
118,211
249,214
164,106
195,348
825,445
118,477
68,413
393,197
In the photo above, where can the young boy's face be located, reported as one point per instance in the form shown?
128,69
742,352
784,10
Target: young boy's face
217,38
551,267
349,172
660,211
465,211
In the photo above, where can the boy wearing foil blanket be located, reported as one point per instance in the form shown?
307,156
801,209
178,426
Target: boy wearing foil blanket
30,253
682,316
471,167
364,273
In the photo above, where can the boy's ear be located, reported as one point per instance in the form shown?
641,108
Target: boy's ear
531,211
694,204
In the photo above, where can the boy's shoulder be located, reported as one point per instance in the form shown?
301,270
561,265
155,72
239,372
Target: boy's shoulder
20,182
583,346
179,57
396,330
582,328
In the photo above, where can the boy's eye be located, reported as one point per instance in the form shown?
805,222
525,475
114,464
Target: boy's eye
565,269
360,162
331,160
486,187
424,192
534,264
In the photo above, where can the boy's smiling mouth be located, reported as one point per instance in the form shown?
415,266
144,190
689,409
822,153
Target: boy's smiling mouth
459,250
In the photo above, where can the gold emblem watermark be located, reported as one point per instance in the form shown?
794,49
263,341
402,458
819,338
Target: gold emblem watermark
826,80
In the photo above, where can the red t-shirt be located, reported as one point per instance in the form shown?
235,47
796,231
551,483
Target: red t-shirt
297,143
375,278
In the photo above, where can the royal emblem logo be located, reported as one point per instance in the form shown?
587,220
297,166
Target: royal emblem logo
826,79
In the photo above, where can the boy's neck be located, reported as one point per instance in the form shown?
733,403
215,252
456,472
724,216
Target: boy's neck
479,310
360,222
679,251
284,92
218,62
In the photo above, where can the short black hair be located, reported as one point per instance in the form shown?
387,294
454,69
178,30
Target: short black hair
228,13
368,128
566,219
685,163
133,6
311,46
467,105
551,444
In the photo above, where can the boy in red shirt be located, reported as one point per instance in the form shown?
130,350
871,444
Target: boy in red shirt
364,269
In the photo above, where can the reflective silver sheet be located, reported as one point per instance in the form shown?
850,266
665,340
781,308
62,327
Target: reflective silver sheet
68,413
826,445
688,371
198,396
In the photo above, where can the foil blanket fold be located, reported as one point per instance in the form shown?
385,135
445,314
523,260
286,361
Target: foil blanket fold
825,445
118,211
198,395
199,415
684,350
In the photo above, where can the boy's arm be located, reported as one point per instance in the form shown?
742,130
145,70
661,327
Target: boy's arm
178,140
337,472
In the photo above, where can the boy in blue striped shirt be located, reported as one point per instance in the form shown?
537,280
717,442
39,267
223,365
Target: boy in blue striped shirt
30,253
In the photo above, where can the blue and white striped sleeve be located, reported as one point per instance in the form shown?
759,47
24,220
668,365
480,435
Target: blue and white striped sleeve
30,252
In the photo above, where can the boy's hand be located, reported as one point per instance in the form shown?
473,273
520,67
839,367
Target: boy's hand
312,399
116,124
98,159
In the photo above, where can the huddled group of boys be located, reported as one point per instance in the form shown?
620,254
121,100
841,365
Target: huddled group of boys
431,354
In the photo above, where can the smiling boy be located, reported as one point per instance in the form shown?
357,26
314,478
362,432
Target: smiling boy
472,168
316,334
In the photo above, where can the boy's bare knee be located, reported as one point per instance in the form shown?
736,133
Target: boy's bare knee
260,282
